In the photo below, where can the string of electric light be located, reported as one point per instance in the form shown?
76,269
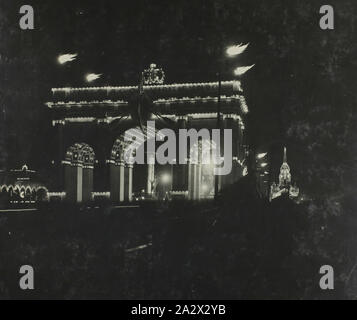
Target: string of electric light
235,83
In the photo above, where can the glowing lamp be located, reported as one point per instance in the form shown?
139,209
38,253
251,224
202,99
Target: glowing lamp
64,58
92,76
236,50
263,165
261,155
242,70
165,178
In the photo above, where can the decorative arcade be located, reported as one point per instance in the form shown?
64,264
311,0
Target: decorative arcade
21,187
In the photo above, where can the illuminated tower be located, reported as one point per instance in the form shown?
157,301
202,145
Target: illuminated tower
284,186
285,175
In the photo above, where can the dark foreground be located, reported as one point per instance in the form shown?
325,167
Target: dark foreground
240,248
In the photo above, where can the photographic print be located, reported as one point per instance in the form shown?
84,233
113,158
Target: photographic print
178,151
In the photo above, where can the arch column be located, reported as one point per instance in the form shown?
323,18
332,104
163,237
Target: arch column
241,142
198,181
73,182
194,181
151,173
121,171
192,169
128,182
87,187
61,150
232,122
195,175
180,171
117,178
78,167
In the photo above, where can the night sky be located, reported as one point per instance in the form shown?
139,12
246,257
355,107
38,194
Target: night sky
298,66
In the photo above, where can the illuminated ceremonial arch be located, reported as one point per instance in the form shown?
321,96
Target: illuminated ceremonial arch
89,124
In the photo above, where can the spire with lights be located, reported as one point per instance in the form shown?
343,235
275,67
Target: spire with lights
285,175
284,186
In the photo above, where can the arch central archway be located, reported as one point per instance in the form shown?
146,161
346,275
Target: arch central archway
122,157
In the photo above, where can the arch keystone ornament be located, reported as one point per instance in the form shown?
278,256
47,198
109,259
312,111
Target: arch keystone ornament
153,75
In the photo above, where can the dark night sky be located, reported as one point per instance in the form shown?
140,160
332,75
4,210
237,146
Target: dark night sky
298,65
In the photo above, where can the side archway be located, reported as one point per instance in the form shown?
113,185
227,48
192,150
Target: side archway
41,194
79,166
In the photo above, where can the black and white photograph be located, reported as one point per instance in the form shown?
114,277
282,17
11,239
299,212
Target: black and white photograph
182,151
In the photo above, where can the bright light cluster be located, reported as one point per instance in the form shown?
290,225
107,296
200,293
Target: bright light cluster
92,76
235,50
64,58
242,70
